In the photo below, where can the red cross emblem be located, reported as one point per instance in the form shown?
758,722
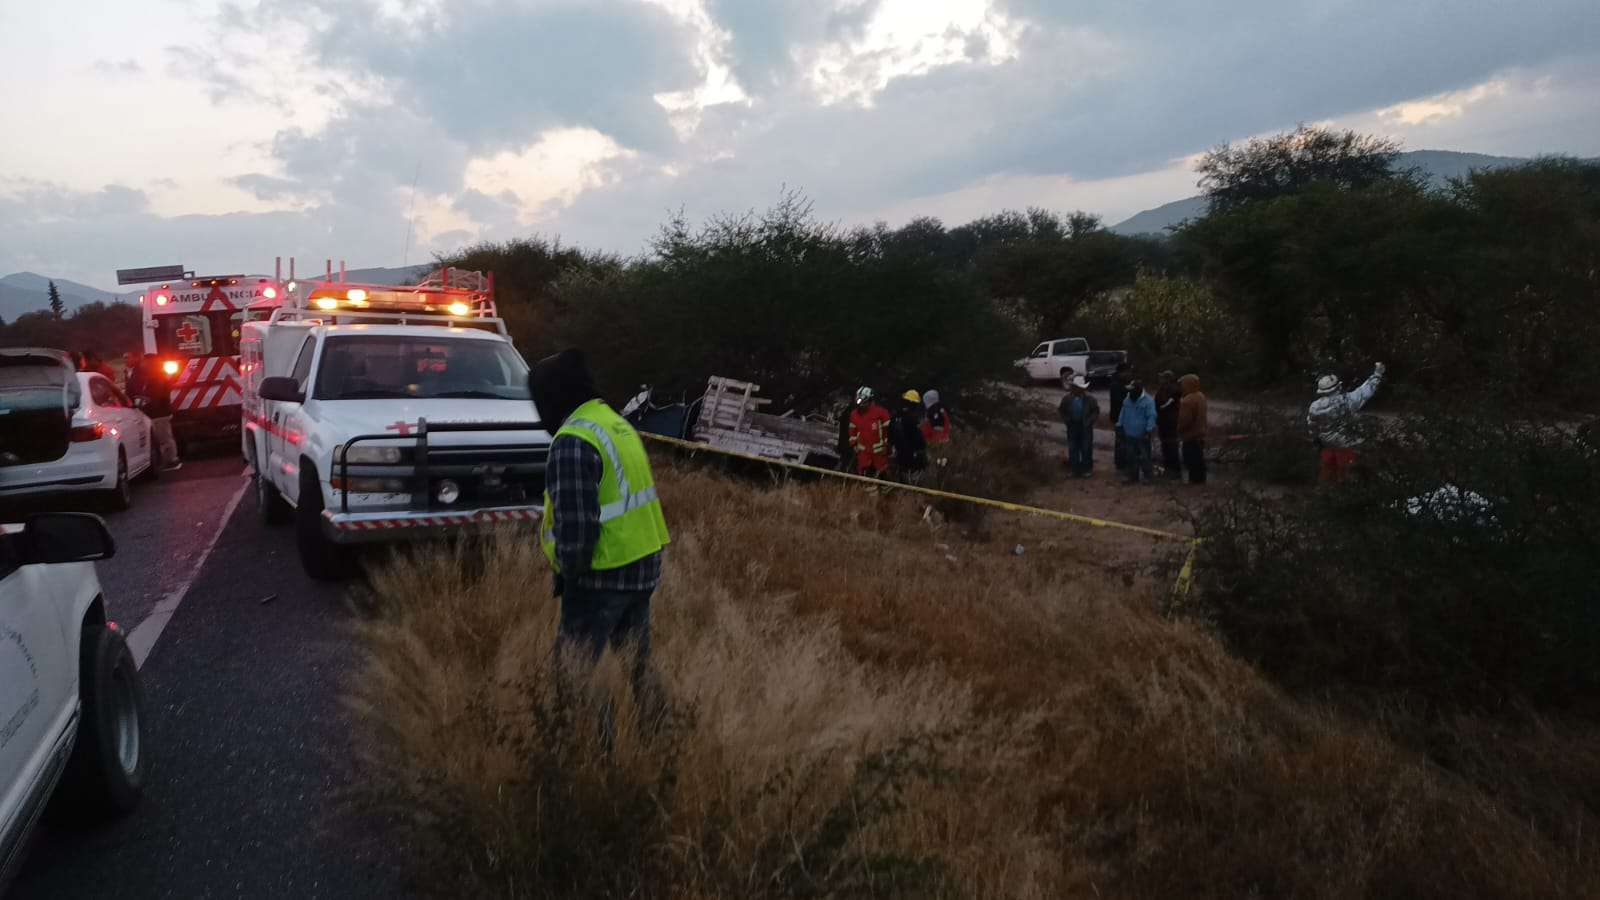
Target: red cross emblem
403,427
186,332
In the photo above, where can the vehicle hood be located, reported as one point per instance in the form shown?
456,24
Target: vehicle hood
384,417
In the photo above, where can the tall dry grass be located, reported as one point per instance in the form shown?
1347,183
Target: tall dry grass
869,701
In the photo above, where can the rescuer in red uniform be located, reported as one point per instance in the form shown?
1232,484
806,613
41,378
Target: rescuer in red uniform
869,434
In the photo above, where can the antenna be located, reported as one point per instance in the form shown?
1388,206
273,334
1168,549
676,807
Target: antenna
405,257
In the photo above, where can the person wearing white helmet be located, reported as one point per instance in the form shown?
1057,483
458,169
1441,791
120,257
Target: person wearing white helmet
1330,418
868,434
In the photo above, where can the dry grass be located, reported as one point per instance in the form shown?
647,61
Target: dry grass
874,702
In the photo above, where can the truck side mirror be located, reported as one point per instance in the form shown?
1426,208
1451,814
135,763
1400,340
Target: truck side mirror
65,538
281,388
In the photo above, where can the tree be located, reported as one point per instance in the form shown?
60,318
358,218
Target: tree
1264,168
57,308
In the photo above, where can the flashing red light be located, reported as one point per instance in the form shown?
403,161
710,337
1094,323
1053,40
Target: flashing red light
170,367
161,299
270,293
83,434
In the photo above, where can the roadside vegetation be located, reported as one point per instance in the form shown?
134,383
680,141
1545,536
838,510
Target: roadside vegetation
869,699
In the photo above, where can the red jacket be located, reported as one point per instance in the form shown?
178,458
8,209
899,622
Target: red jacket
869,436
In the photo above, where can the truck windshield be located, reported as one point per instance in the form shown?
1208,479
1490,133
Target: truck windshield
372,367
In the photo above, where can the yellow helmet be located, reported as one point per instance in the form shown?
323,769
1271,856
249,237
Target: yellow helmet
912,395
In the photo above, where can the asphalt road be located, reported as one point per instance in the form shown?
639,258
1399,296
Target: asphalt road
250,775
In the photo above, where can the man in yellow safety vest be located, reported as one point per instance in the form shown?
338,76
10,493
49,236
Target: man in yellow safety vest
602,530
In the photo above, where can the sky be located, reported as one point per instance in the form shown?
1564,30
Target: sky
220,135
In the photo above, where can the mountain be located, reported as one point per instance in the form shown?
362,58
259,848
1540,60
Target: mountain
1438,166
26,292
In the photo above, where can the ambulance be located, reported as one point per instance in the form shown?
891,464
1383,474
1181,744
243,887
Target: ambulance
194,327
383,413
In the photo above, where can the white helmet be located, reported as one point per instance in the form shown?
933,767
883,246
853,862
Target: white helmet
1327,384
863,394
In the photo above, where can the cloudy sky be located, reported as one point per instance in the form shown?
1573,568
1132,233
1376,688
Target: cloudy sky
220,135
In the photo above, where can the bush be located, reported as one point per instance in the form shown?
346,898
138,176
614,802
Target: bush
1460,572
1168,323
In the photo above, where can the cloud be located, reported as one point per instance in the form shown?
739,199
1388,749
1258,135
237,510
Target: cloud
118,67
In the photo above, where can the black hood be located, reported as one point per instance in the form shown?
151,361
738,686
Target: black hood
560,384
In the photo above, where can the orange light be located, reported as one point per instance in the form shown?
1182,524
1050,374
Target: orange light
459,309
327,303
356,295
170,367
161,299
270,293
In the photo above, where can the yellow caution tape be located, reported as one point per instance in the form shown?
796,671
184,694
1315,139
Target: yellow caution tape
918,489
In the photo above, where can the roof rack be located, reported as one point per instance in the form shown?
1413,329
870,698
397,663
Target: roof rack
446,296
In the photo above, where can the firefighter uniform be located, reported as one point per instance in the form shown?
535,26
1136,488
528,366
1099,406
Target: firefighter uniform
869,438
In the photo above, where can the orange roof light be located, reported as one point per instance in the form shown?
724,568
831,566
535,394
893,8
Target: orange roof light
459,309
356,295
327,303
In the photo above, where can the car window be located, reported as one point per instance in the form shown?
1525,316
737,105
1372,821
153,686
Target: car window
1041,350
403,366
101,392
302,365
1073,345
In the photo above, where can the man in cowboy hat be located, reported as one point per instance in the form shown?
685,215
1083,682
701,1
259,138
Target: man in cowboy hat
1329,419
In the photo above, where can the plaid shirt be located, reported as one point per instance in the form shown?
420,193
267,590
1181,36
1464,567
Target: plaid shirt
573,480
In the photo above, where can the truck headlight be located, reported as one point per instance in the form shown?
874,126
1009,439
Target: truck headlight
448,492
379,456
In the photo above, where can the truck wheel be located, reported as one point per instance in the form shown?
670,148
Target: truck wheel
322,559
271,508
120,497
107,770
1066,379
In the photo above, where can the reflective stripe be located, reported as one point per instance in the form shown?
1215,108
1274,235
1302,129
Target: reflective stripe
630,500
627,504
611,451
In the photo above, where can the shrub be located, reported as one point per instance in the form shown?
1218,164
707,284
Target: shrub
1461,571
1168,323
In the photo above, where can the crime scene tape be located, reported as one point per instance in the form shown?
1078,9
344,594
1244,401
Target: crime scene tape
932,492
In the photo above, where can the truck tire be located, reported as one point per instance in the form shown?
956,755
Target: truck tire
120,496
322,559
1066,378
271,508
107,770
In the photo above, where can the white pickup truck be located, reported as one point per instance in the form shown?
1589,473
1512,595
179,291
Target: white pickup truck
381,413
1061,359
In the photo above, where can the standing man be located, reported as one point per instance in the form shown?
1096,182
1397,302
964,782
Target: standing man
869,435
1119,394
1168,395
1138,424
905,437
1192,425
1079,412
1330,419
602,530
152,395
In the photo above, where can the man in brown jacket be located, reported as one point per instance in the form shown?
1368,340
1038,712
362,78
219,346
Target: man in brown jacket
1192,428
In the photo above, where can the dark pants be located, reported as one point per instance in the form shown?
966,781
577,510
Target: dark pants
1171,461
593,620
1119,452
1194,459
1140,459
1080,449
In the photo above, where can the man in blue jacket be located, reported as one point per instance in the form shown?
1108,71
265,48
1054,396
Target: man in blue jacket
1137,423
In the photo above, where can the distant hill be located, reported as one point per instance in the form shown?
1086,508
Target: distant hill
1438,165
26,292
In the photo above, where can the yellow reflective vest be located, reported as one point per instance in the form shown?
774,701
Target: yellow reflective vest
631,524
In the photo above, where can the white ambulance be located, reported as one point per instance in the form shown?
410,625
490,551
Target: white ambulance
194,326
384,413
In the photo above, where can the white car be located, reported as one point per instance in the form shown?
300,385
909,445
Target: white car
70,701
1062,359
361,429
67,431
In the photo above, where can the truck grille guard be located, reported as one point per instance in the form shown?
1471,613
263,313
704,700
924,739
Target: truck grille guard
450,461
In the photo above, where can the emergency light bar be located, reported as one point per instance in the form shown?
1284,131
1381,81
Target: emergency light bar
445,294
